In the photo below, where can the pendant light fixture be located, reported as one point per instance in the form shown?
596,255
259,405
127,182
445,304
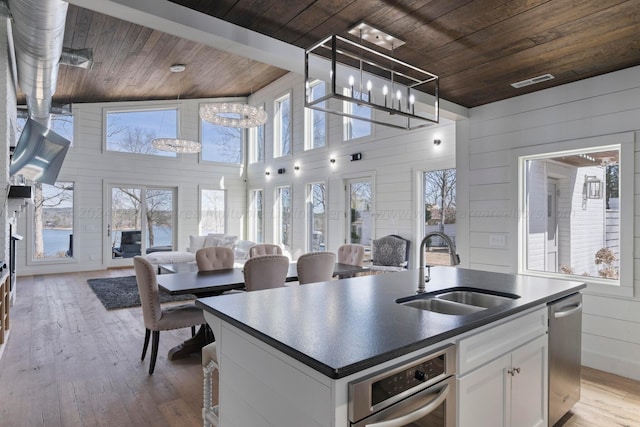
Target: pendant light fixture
234,114
177,145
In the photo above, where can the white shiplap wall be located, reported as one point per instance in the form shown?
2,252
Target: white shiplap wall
596,111
391,157
93,168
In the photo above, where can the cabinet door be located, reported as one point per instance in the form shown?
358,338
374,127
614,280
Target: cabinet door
529,384
483,395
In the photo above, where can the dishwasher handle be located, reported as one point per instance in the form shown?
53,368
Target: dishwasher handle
568,311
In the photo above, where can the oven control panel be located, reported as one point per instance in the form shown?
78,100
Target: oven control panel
407,379
386,387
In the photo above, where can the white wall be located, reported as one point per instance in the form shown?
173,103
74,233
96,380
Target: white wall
392,157
594,111
92,168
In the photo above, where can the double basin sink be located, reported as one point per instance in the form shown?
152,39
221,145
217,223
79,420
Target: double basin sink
457,301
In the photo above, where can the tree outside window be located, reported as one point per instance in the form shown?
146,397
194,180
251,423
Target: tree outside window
133,131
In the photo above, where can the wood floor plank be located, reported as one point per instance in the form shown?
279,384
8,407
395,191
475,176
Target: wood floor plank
70,362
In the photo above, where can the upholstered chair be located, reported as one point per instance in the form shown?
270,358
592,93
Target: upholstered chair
264,249
209,364
390,253
352,254
155,317
266,271
214,258
315,267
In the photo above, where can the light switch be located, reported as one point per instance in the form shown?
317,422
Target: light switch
498,240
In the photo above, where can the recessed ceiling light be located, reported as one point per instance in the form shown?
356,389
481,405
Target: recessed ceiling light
532,81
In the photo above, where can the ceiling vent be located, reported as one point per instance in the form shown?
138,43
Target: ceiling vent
532,81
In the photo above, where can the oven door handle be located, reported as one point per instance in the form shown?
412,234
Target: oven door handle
415,415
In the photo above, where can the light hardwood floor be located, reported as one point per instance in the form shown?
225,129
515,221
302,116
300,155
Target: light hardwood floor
69,362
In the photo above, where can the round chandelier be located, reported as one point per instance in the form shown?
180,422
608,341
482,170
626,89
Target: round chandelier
176,145
248,116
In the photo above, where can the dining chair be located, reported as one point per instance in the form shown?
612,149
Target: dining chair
209,364
352,254
214,258
390,253
264,249
265,272
315,267
155,317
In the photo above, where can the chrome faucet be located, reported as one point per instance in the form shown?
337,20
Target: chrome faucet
453,256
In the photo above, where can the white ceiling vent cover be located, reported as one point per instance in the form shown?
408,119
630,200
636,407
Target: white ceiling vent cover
532,81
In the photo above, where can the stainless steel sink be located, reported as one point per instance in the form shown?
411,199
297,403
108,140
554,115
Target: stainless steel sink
474,298
442,306
456,301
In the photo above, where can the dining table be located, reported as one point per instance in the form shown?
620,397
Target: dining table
215,282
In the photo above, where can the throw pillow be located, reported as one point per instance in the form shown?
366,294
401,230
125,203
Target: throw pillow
388,251
196,242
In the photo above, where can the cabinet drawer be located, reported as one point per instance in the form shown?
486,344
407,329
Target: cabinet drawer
493,342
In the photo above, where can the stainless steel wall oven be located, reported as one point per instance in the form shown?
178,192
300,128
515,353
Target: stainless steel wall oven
416,393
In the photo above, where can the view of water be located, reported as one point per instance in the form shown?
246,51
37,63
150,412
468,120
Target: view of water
56,240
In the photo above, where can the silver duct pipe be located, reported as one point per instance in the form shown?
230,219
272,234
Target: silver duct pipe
38,33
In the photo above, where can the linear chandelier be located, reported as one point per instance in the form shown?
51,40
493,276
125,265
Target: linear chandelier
398,94
233,115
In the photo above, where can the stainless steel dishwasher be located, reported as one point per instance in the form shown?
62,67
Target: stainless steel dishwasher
565,355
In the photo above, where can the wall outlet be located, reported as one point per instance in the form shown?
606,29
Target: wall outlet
497,240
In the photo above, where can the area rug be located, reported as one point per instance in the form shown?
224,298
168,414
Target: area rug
122,292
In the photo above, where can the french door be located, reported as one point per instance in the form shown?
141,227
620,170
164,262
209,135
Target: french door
140,220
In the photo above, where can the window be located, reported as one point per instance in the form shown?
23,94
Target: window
60,124
222,144
133,131
439,200
282,127
316,217
360,201
283,217
256,144
52,221
572,220
212,211
315,122
354,128
256,216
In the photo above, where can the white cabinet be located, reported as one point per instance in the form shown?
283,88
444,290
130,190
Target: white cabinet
509,390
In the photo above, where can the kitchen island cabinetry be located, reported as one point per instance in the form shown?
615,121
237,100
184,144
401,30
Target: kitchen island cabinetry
287,355
509,391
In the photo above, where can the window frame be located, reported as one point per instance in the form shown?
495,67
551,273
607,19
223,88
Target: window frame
139,109
347,122
625,143
278,222
253,142
253,218
201,189
308,213
31,232
309,122
277,126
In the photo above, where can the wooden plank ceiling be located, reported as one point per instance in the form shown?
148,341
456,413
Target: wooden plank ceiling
478,48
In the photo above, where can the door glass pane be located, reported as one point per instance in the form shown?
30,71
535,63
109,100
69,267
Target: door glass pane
53,221
316,217
212,211
126,222
159,215
360,221
572,207
439,213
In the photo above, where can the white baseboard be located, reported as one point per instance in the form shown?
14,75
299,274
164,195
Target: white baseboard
615,365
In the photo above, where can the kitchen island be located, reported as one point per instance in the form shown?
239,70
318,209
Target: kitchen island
287,355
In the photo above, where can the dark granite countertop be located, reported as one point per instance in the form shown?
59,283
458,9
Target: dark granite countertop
344,326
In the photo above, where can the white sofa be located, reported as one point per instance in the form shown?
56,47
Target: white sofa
240,249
